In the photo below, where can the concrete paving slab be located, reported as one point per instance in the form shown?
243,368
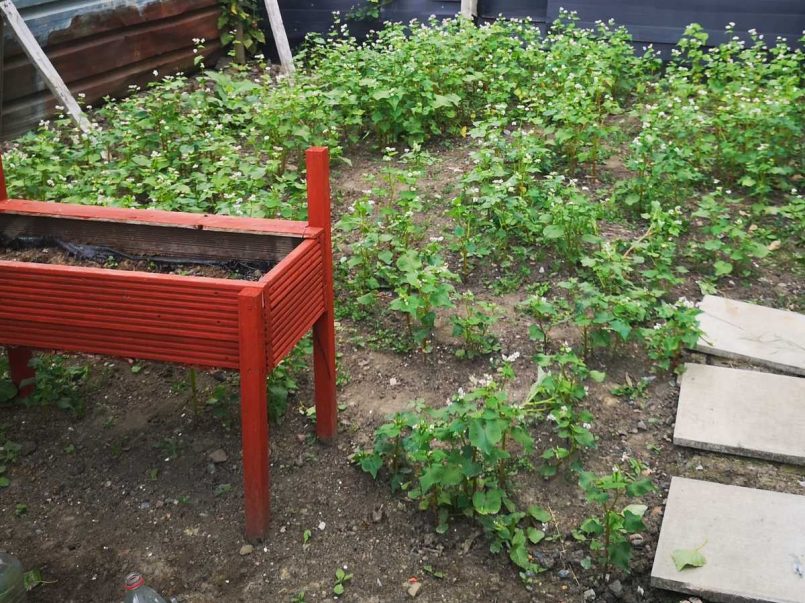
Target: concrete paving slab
742,412
754,543
765,336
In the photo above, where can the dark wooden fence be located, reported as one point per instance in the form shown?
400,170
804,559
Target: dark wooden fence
658,22
100,48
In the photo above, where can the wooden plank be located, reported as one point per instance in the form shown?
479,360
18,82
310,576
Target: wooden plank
191,320
2,76
324,369
44,66
20,371
295,297
280,37
147,281
254,413
3,191
150,242
156,217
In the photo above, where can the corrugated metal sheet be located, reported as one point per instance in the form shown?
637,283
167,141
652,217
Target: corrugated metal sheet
100,48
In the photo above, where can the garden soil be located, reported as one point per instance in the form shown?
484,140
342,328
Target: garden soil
143,482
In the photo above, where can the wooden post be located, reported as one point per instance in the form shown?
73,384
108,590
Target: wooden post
280,37
2,69
19,359
469,8
254,412
3,190
318,202
19,368
240,49
43,65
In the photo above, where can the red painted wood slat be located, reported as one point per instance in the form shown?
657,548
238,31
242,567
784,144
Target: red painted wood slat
318,200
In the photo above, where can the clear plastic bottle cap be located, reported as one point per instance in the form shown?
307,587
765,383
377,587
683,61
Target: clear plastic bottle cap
134,580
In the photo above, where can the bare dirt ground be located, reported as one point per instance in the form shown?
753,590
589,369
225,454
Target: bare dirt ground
134,484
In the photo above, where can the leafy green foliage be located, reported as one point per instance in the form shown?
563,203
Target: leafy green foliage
8,391
9,451
677,329
733,113
473,327
731,242
283,380
460,460
707,189
239,24
58,383
608,532
222,403
341,579
556,397
423,288
547,315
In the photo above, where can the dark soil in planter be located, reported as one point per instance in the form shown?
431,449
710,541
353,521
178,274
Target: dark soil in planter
68,254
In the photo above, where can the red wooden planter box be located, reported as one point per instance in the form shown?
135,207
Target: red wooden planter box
211,322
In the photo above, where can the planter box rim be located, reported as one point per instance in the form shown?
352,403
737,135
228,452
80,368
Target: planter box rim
158,217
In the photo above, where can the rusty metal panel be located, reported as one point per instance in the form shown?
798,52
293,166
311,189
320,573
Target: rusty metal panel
100,48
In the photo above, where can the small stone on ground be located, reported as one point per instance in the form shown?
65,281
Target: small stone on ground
218,456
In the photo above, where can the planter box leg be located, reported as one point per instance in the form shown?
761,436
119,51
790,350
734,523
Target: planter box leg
318,191
20,370
324,375
254,413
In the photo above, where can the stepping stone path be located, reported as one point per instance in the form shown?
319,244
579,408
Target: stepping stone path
733,329
742,412
753,541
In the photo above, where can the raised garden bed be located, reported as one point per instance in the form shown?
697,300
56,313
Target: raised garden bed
230,323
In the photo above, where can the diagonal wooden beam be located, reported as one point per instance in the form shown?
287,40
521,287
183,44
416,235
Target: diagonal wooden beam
280,37
43,65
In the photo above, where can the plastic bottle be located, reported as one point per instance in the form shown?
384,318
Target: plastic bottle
138,592
12,581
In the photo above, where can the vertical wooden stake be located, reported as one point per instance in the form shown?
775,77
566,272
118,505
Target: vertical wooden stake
254,412
240,49
469,8
280,37
3,191
43,65
19,360
318,202
2,69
